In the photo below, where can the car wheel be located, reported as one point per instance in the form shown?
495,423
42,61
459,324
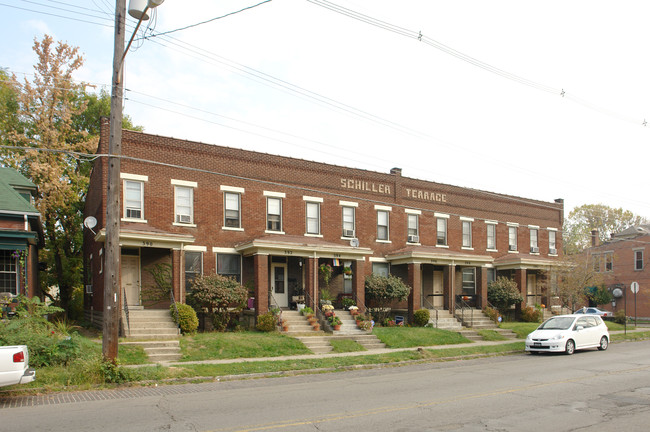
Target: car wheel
570,347
604,343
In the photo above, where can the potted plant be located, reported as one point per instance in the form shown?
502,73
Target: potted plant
335,322
354,311
348,302
315,326
306,311
347,271
285,325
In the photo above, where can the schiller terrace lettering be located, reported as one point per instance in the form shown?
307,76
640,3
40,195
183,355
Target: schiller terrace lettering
365,186
426,195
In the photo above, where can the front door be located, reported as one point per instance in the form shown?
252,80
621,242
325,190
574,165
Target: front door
438,293
533,296
131,279
279,286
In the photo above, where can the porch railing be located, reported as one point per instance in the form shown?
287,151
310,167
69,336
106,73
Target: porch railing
320,316
464,307
431,307
177,314
273,304
496,317
126,314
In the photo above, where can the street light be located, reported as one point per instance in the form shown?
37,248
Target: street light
110,328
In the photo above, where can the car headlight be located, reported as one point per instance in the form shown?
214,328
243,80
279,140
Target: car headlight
558,336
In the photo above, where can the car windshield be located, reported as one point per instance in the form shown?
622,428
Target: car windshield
557,323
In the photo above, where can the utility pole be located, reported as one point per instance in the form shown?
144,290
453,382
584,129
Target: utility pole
112,246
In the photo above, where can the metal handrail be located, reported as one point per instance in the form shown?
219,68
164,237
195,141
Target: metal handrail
126,313
271,296
496,318
462,305
320,316
432,307
178,315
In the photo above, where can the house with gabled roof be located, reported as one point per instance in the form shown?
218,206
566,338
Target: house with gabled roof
21,234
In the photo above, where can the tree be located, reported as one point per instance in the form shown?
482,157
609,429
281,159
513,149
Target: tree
220,296
382,291
575,275
98,106
503,293
607,220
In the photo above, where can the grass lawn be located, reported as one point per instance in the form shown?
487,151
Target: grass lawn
345,345
407,337
520,328
491,335
207,346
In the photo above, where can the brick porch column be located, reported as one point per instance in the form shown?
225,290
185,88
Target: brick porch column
449,289
177,270
520,279
261,277
415,282
311,282
358,283
481,286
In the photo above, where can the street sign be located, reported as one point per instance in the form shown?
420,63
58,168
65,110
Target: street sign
634,286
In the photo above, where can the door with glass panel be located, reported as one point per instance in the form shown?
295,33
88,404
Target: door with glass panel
279,285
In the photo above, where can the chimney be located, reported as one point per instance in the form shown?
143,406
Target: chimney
595,240
396,171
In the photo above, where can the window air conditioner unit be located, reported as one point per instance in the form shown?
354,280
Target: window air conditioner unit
512,247
184,218
534,249
413,239
552,251
89,289
348,233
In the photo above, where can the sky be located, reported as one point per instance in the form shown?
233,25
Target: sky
536,99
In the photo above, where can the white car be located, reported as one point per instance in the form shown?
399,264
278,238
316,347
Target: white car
14,366
567,333
595,311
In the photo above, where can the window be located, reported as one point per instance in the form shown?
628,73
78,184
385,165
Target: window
184,197
413,230
638,260
512,238
441,230
552,248
533,241
232,213
193,268
313,218
8,271
491,236
609,261
133,198
380,269
229,265
596,259
348,221
469,280
382,225
491,275
274,214
467,234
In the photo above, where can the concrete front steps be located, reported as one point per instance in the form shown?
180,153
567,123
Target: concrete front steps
445,320
298,324
155,331
477,320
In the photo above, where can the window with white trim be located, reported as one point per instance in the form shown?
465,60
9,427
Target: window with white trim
133,199
596,262
382,225
232,213
9,271
229,265
512,238
313,217
413,228
552,245
380,269
609,261
348,221
441,231
467,234
273,214
193,268
491,236
638,259
469,280
184,203
533,240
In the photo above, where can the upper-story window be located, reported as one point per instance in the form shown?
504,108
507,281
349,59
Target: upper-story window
512,238
274,211
638,259
467,232
183,201
382,223
348,211
134,196
609,261
413,226
441,229
552,243
232,207
313,217
534,248
491,236
596,262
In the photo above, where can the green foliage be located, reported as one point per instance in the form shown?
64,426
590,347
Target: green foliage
345,345
421,317
531,314
404,337
218,295
334,320
347,302
307,310
266,322
503,293
619,317
34,307
384,290
186,318
600,296
325,272
113,373
162,277
491,313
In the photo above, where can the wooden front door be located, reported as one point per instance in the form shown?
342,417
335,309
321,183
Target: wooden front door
130,275
279,285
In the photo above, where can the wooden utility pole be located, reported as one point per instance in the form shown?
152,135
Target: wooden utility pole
112,246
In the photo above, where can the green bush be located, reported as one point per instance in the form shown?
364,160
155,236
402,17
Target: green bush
307,310
186,318
531,314
383,291
491,313
421,317
219,295
619,317
266,322
503,293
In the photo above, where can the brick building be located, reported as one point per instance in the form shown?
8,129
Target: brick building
271,221
621,260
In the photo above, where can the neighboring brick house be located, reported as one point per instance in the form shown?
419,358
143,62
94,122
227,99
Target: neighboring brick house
271,221
21,234
621,260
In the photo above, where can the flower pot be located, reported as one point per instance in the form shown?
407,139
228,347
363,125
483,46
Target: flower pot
316,327
337,327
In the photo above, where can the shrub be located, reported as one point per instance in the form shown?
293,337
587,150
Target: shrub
503,293
491,313
347,302
619,317
334,320
421,317
531,314
219,295
186,318
383,290
266,322
307,310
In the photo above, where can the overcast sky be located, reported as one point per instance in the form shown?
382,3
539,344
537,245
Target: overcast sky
538,99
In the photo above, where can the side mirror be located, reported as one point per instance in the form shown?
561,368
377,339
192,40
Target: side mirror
579,327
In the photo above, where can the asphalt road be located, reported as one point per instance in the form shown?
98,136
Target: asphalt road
590,390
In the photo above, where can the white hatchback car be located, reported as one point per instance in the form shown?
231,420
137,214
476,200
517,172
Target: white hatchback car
567,333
